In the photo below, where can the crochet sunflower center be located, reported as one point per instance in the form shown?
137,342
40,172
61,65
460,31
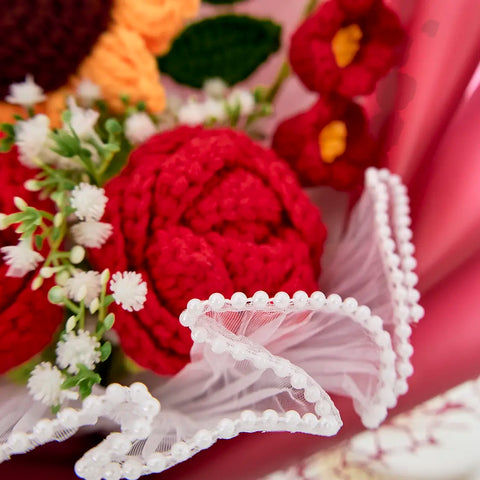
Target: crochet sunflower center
346,44
47,39
332,141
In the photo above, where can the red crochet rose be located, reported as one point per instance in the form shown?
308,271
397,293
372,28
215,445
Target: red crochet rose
330,144
201,211
27,320
346,46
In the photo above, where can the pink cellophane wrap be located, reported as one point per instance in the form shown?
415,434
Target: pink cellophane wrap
260,364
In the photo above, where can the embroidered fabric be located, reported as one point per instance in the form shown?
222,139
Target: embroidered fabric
260,363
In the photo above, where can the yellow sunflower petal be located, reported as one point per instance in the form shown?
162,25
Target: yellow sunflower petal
157,21
120,64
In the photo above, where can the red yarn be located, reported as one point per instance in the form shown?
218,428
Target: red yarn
311,52
296,140
27,320
201,211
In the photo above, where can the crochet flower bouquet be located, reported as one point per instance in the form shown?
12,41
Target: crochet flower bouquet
163,274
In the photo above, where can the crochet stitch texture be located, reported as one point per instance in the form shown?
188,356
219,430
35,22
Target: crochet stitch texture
201,211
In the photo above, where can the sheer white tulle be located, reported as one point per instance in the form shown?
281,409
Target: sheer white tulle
260,363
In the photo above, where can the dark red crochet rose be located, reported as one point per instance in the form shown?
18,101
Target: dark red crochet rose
299,141
27,320
201,211
378,35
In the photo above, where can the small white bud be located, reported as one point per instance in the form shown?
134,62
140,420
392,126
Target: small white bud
58,219
105,276
71,322
32,186
47,272
94,305
62,277
215,87
37,283
55,295
82,292
20,203
77,254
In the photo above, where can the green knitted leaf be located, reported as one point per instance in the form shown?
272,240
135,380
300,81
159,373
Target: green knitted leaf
230,47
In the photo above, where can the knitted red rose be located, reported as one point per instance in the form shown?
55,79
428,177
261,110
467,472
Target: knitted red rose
346,46
27,320
201,211
330,144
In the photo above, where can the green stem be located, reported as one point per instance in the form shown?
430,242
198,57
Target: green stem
71,306
81,315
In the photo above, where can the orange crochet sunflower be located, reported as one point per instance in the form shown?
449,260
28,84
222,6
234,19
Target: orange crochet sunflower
112,43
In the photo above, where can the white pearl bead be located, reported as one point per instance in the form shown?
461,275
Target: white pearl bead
238,352
281,300
405,234
300,299
393,259
417,312
405,369
388,376
139,393
119,443
81,468
218,346
112,471
382,339
333,302
226,428
239,300
349,305
151,407
260,299
99,456
310,420
401,388
115,394
186,318
199,335
312,394
203,439
383,174
413,295
292,418
44,430
407,249
140,428
403,220
374,323
216,301
195,306
282,368
322,408
329,426
409,263
93,404
401,292
260,360
405,350
270,417
411,279
18,442
403,331
157,462
403,312
298,381
180,451
68,417
248,417
389,245
375,415
385,231
132,469
396,275
381,218
317,299
362,312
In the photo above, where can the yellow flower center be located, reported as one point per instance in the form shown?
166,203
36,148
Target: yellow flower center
346,44
332,141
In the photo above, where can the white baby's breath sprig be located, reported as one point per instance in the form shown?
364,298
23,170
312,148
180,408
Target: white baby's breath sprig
21,258
31,138
129,290
139,128
82,120
26,94
45,385
91,234
88,281
88,201
77,348
88,92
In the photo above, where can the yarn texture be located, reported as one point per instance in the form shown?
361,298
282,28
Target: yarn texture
298,140
200,211
312,55
27,320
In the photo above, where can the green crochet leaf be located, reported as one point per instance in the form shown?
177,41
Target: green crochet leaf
230,47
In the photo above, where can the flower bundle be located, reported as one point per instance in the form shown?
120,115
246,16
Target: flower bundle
169,240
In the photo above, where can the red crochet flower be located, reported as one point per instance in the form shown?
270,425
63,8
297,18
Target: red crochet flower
27,320
201,211
330,144
346,46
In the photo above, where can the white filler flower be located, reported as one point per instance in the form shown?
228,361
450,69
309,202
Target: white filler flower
88,201
244,99
26,93
89,280
129,290
91,234
31,139
88,92
83,120
139,127
45,385
77,347
20,258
